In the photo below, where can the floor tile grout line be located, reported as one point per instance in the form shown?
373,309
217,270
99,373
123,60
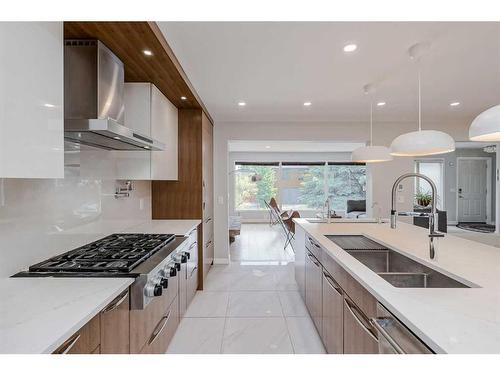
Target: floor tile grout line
225,323
286,324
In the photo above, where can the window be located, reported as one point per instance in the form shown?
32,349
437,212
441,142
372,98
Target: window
434,170
346,182
255,183
302,186
298,186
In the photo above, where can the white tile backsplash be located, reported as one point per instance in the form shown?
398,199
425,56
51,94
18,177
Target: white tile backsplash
40,218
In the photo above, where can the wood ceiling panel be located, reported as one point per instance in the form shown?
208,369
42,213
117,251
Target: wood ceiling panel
128,40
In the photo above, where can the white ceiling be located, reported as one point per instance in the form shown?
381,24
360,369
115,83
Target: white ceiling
276,66
291,146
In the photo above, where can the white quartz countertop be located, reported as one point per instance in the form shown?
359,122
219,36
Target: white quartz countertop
462,320
38,314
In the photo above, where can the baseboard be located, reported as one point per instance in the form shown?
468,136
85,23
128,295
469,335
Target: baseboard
452,223
221,261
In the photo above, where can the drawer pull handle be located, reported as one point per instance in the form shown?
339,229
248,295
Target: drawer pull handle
69,344
155,335
359,318
332,282
192,271
208,243
208,220
389,339
190,233
117,302
313,259
193,245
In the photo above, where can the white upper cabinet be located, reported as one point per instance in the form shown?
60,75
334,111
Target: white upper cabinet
31,100
149,112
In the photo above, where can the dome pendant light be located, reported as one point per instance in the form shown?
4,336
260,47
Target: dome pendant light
486,126
422,142
371,154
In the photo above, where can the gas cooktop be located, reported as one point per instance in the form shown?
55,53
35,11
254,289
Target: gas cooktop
114,253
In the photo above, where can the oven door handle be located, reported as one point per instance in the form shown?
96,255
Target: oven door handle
155,335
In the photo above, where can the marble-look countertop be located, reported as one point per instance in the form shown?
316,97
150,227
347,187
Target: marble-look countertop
463,320
38,314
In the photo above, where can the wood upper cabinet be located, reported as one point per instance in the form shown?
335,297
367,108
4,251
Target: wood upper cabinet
85,341
115,326
31,97
207,169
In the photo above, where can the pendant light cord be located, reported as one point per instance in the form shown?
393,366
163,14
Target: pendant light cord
419,100
371,122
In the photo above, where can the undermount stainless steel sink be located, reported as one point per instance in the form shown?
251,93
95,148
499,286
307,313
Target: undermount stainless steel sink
395,268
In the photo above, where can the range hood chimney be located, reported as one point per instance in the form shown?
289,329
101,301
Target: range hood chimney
93,99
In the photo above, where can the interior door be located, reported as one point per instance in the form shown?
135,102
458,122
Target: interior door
471,190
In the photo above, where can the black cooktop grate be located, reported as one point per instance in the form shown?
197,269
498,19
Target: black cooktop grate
114,253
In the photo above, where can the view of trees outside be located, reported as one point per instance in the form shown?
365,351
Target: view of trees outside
346,182
250,195
301,187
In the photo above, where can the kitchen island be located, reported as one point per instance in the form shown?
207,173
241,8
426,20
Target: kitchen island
447,320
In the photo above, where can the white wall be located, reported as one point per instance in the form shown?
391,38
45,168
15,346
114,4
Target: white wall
40,218
381,176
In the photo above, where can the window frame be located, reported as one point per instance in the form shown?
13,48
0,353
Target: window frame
441,204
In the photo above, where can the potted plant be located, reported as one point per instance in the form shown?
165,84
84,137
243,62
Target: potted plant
423,198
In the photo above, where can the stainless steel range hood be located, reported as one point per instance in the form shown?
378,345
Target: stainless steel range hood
93,99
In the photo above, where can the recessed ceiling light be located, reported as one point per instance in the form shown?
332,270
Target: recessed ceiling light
380,104
48,105
454,104
116,137
268,146
146,147
351,47
242,104
147,52
307,104
183,98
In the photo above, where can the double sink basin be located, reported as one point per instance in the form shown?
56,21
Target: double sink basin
395,268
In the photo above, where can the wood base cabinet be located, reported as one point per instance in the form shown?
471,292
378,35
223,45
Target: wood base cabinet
359,335
115,326
164,331
314,292
85,341
333,315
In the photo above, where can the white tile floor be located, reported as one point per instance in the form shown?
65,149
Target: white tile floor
251,305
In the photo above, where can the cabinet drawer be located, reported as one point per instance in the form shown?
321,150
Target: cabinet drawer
314,248
361,297
192,283
85,341
115,326
208,229
143,322
164,330
192,237
182,296
359,335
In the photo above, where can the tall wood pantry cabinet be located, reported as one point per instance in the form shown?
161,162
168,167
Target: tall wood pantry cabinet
191,196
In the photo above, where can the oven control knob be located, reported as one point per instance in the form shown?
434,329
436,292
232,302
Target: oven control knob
158,290
173,271
164,282
187,254
178,266
153,290
184,258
